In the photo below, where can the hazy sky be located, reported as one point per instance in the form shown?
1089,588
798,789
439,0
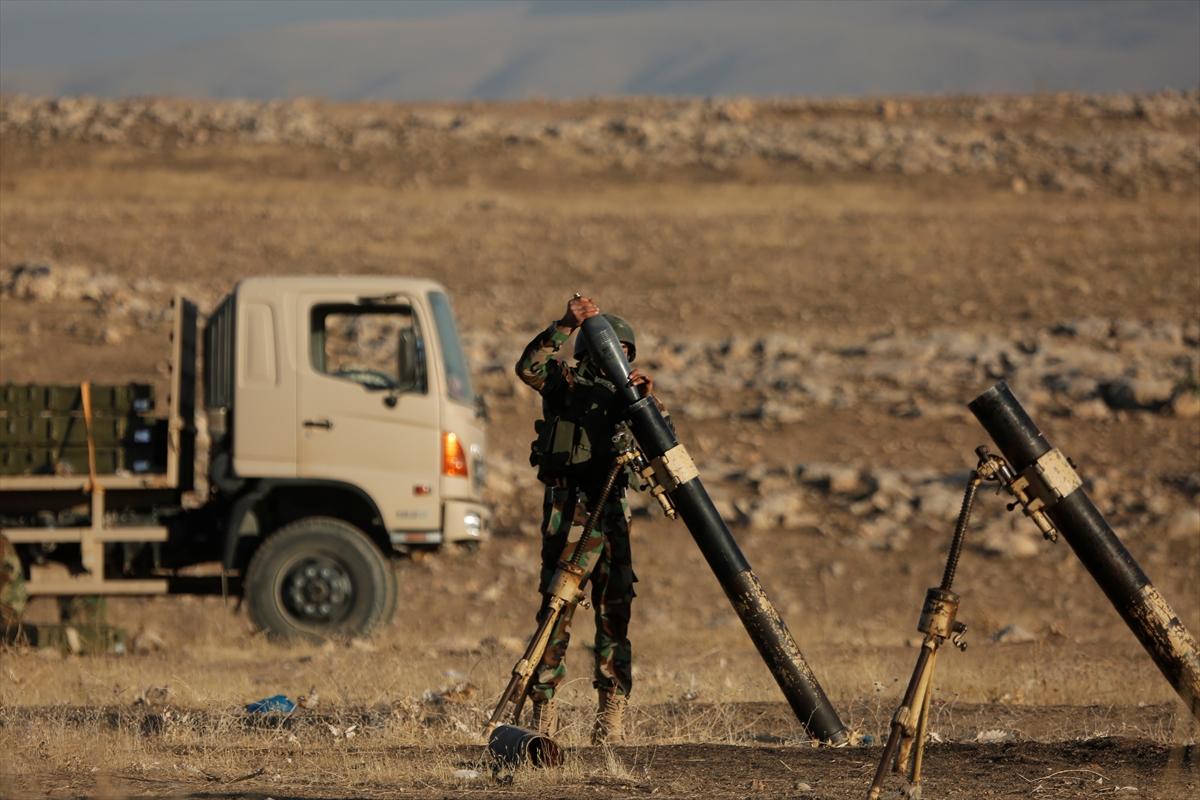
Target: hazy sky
56,33
259,47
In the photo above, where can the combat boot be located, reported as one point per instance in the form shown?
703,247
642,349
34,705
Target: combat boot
610,718
543,717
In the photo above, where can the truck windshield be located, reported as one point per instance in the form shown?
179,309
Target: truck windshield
458,376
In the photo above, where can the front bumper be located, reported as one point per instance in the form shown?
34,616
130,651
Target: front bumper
464,521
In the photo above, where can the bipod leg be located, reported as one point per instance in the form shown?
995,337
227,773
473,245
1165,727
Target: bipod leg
911,721
900,722
918,757
905,747
564,619
518,685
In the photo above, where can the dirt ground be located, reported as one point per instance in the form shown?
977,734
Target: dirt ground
1071,708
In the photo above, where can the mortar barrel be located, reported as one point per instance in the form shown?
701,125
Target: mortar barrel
759,616
1112,566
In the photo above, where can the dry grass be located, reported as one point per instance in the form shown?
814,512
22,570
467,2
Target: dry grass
74,725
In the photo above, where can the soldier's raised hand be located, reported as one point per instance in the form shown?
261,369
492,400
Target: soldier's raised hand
578,309
643,382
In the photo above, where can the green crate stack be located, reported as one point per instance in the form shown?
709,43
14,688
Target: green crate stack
43,431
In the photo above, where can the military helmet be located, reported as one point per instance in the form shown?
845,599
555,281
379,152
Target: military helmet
624,333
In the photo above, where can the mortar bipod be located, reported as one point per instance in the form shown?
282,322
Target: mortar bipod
905,748
509,744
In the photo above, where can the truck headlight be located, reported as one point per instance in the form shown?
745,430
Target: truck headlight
473,523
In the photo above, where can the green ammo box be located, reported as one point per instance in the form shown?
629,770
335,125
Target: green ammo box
120,401
63,398
19,399
19,430
68,431
108,400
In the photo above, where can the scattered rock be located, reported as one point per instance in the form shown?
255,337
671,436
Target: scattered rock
1014,634
338,732
154,696
1183,525
1011,536
835,478
461,692
1186,404
783,511
884,532
1138,393
146,641
939,501
1151,147
309,701
1089,409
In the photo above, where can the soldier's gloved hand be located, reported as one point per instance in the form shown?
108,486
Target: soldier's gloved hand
578,309
642,381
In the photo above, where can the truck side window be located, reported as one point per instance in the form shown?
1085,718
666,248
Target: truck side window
379,347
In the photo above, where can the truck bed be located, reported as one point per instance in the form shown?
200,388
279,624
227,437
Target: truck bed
45,425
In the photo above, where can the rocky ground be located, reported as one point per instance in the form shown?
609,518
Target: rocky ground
820,288
1062,143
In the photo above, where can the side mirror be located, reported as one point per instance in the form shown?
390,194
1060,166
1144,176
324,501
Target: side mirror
408,367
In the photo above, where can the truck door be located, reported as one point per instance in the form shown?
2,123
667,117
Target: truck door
368,413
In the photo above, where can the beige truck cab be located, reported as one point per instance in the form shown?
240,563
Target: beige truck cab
343,429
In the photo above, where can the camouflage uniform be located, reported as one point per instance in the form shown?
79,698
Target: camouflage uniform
13,595
568,501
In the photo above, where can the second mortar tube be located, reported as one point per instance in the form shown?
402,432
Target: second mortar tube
766,628
1132,594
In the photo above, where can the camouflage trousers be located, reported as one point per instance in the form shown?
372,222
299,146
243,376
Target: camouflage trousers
564,514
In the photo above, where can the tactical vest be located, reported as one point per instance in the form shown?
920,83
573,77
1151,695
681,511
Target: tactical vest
574,436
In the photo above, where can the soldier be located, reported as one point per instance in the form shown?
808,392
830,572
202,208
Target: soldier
574,453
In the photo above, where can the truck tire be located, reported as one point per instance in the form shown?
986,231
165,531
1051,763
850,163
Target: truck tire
319,578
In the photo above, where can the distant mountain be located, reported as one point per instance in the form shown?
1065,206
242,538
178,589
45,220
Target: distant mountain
555,49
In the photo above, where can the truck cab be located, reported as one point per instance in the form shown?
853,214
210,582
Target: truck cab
343,430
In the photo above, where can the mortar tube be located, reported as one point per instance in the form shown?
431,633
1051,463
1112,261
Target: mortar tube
1112,566
766,628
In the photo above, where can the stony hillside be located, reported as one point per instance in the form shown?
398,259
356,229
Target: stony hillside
1063,143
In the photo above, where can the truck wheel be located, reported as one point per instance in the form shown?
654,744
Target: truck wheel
319,578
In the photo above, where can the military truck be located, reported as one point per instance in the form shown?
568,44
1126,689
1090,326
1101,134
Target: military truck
314,429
